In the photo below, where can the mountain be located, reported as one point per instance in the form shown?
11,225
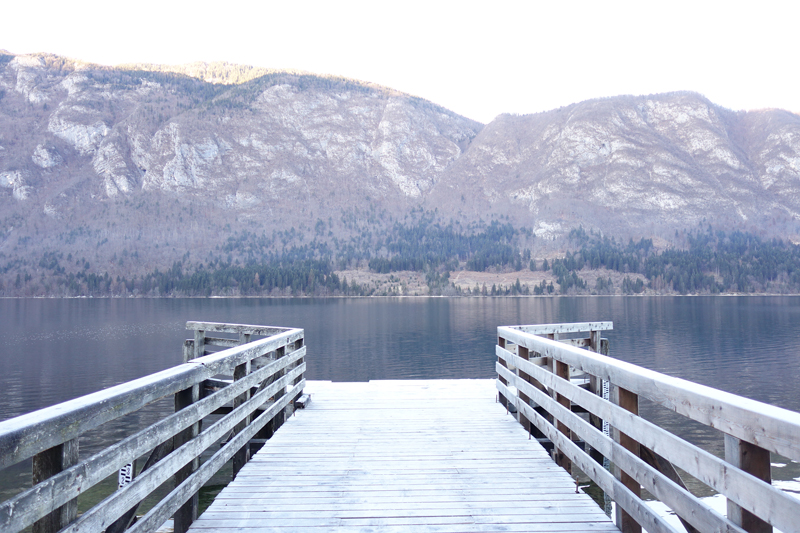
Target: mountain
633,165
129,169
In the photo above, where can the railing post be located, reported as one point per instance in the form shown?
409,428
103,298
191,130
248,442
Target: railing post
523,353
188,350
297,345
241,457
277,421
755,461
199,343
596,387
630,402
501,342
188,512
561,370
46,464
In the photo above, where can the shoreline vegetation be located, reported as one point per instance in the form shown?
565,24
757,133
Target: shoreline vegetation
427,258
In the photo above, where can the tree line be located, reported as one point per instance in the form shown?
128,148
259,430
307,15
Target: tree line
710,262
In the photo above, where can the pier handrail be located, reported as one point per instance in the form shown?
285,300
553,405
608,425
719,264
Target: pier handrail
267,376
534,375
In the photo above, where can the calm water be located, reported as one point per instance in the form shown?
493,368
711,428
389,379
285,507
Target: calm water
54,350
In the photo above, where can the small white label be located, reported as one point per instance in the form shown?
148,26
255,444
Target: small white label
125,475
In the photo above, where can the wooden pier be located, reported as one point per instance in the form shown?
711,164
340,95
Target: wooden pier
435,456
390,456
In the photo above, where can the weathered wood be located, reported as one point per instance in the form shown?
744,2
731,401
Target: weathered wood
523,354
767,501
641,512
756,462
23,509
666,468
29,434
576,327
630,402
220,341
419,455
45,465
659,484
199,343
243,454
125,521
119,502
502,399
188,512
188,350
218,327
562,371
773,428
161,511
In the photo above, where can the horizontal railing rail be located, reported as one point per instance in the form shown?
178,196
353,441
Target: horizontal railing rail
266,378
534,376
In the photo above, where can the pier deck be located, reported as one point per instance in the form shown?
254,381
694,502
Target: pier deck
383,456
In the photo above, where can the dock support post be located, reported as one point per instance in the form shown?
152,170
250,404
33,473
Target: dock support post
242,455
523,353
501,342
199,343
562,371
755,461
46,464
630,402
595,387
188,512
297,345
280,416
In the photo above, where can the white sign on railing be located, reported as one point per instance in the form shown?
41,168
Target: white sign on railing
125,475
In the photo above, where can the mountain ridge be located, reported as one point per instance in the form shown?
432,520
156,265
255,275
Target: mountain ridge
97,162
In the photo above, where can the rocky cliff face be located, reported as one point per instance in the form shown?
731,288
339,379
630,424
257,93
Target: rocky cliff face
631,165
95,161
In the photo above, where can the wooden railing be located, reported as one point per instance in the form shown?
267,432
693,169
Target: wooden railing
536,377
265,377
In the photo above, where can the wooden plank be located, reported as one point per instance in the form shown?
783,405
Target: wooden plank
24,508
420,461
26,435
636,507
768,426
187,513
753,494
576,327
115,505
167,506
45,465
341,527
249,329
630,402
756,462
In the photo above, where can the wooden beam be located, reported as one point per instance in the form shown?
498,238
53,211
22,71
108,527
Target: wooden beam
250,329
562,371
522,352
45,465
771,503
676,498
188,512
26,435
630,402
771,427
242,455
756,462
576,327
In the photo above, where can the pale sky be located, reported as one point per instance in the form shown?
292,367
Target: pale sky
478,59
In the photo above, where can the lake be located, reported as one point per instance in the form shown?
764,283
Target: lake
57,349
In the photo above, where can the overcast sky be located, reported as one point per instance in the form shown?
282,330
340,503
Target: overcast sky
478,59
